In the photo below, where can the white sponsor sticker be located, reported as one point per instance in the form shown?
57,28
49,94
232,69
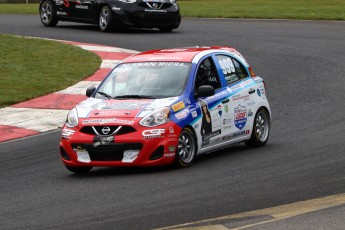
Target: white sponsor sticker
83,156
130,155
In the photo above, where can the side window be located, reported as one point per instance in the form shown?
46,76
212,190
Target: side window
232,69
207,74
240,70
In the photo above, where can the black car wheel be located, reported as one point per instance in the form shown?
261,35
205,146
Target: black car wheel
186,149
106,19
261,129
48,14
79,170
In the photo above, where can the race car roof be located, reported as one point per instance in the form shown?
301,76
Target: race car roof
176,54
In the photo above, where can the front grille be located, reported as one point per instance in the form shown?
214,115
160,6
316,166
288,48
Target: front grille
155,5
109,152
153,19
99,130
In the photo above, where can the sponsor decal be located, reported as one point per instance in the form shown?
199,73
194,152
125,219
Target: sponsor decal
259,93
211,135
83,155
196,126
167,155
182,114
226,108
238,97
153,133
82,7
250,113
61,13
102,140
112,112
236,135
171,130
66,3
240,116
121,106
188,101
172,148
130,155
67,132
194,113
178,106
59,2
206,123
105,121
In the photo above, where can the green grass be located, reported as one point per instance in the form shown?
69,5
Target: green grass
287,9
9,8
33,67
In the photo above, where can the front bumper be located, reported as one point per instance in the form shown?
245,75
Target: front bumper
131,149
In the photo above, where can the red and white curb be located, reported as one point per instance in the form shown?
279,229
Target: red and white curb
49,112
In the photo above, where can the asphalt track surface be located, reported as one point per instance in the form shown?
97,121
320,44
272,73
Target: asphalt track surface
302,63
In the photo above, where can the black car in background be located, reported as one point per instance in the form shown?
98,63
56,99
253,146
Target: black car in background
111,14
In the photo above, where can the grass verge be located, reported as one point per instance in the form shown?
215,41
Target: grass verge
272,9
33,67
287,9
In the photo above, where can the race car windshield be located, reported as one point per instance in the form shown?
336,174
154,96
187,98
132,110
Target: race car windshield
146,80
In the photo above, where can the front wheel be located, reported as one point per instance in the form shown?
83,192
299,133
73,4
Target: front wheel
48,14
261,129
106,19
186,149
79,170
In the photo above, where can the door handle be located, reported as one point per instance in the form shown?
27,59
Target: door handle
225,101
251,91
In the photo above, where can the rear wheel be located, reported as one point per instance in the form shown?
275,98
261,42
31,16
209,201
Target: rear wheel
186,149
106,19
79,170
48,14
261,129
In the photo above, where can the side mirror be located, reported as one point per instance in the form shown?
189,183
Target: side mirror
90,91
205,91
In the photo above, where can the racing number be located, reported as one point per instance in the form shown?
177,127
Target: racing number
227,66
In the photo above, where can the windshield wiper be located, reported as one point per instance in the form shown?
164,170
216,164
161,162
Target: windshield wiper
105,95
134,96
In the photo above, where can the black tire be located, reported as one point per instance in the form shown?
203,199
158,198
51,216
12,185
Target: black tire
186,148
261,129
106,19
165,29
79,170
48,14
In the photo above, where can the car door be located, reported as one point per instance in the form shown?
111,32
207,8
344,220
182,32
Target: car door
241,88
81,9
209,127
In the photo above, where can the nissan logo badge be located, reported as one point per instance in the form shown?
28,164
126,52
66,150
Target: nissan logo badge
105,130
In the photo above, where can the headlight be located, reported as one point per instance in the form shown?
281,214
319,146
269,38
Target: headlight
72,118
158,117
173,1
128,1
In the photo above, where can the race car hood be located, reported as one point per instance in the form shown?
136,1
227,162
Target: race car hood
131,108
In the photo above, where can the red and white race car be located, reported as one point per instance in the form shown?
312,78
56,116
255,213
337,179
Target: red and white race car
167,106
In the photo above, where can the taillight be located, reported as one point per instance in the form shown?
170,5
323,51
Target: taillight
252,74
